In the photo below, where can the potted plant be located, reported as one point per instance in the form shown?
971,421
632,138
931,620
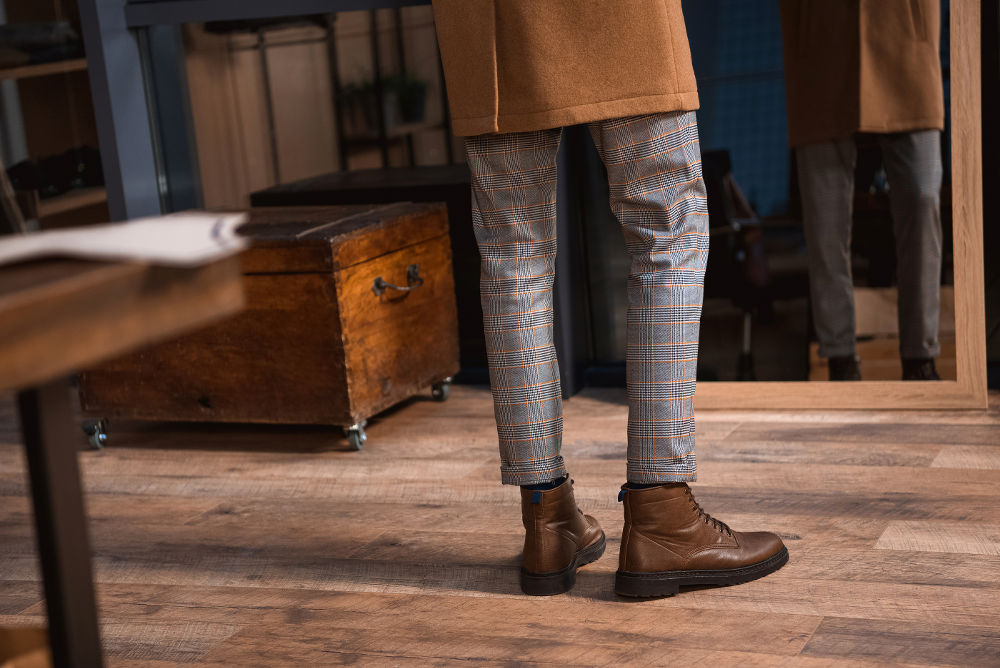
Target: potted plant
410,94
404,100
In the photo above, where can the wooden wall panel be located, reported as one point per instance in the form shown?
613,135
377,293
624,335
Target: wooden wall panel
218,120
251,106
303,110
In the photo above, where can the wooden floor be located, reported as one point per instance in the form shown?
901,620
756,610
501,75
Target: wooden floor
248,546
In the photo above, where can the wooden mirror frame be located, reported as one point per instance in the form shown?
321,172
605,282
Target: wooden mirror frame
969,390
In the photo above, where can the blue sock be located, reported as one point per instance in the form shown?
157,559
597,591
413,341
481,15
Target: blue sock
545,486
648,485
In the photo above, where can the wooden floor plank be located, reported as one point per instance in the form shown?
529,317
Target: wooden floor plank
177,642
918,643
327,480
961,457
221,541
722,501
892,432
798,589
432,630
16,597
954,537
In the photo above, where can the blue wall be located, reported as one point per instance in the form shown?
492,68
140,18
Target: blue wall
736,49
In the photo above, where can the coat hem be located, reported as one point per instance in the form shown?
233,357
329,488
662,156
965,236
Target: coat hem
575,115
914,125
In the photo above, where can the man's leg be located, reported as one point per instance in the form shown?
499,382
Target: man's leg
514,214
826,182
913,165
658,195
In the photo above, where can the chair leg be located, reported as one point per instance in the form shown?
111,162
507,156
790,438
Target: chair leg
746,365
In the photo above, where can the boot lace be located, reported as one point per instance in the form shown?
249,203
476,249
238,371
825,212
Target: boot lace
718,525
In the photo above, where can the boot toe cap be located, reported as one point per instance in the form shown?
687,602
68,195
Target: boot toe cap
761,545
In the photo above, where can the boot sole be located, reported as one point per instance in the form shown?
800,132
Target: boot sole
668,583
560,582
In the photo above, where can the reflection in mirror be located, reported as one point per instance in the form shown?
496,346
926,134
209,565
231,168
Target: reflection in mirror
824,136
872,68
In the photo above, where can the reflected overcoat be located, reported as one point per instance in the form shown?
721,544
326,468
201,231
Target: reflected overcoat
517,65
861,66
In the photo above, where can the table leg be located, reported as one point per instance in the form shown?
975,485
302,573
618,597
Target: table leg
51,445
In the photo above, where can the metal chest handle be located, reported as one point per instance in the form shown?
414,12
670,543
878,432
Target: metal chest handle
413,280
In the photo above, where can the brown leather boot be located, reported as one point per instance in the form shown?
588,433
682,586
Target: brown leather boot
669,542
558,539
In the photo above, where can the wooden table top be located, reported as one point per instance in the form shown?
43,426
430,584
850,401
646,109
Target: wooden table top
59,316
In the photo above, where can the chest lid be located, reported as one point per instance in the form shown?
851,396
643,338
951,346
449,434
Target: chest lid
307,239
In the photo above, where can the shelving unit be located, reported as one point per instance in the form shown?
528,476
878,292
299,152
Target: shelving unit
58,115
383,135
44,69
78,198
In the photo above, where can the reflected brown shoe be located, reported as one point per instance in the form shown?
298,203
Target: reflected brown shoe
558,539
921,368
669,542
844,368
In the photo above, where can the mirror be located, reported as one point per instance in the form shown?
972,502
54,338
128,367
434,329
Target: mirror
826,155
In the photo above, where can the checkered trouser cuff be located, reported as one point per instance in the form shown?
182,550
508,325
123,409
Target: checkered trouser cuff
657,193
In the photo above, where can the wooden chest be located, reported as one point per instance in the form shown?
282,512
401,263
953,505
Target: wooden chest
350,310
426,183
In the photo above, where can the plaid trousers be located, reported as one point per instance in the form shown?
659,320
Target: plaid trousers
658,195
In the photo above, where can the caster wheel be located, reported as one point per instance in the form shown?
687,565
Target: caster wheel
356,436
97,433
441,391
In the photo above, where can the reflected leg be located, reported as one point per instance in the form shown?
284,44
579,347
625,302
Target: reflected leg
913,165
826,181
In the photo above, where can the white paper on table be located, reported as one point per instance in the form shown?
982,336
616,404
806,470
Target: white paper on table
184,239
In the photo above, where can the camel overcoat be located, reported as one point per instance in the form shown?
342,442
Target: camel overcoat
861,66
517,65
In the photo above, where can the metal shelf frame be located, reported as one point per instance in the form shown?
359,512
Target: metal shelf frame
142,13
133,52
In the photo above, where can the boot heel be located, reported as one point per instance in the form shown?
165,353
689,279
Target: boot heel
641,586
560,582
548,584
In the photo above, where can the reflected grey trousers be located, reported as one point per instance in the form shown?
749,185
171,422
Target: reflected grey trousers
658,195
826,179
